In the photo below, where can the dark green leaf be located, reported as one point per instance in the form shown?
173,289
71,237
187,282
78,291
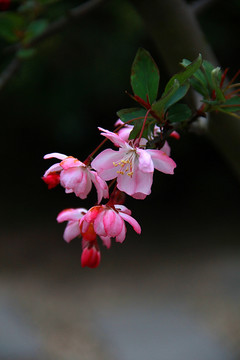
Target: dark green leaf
136,130
26,53
178,95
35,29
184,75
160,105
198,81
199,87
207,71
179,113
216,79
234,101
131,113
145,76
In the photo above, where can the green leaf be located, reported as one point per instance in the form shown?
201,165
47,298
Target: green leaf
131,113
198,80
179,113
12,26
235,101
183,76
178,95
136,130
207,72
26,53
145,76
216,79
35,29
159,106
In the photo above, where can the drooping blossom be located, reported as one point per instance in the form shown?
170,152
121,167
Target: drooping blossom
133,166
103,220
108,222
90,255
74,176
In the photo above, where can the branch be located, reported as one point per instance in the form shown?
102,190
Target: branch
59,24
9,71
53,28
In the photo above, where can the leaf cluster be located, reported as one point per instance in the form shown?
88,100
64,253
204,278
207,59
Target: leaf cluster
164,111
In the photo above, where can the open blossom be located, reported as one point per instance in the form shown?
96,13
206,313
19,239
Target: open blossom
74,176
131,165
108,222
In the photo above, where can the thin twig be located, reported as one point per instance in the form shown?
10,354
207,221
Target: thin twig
9,71
59,24
53,28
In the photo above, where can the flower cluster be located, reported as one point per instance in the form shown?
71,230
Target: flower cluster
131,166
140,146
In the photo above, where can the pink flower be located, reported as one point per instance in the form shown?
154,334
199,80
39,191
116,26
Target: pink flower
74,176
72,216
90,255
131,165
108,222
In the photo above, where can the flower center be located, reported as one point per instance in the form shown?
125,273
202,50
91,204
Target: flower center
127,163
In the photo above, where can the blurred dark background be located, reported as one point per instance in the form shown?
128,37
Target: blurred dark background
54,103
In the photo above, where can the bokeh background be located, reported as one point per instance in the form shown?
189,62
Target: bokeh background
172,292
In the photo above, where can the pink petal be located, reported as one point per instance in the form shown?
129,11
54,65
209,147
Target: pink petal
70,162
69,178
121,237
83,188
71,214
54,168
78,180
104,164
106,240
115,138
166,148
123,208
113,223
55,155
145,161
118,122
90,257
143,182
131,221
99,227
139,196
161,161
93,213
139,183
125,132
101,186
72,230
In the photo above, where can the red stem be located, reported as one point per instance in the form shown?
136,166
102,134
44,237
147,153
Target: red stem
142,129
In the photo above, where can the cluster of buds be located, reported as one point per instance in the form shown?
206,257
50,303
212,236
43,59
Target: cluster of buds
130,166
